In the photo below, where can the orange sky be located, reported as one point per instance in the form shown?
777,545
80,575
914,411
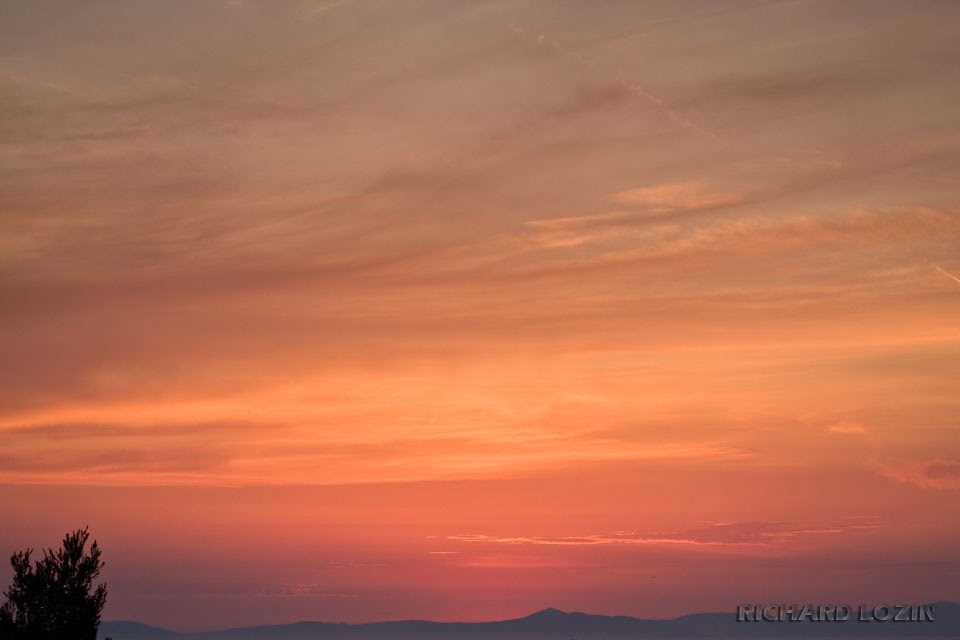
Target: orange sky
358,310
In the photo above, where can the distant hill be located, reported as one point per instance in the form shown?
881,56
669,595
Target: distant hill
127,630
554,624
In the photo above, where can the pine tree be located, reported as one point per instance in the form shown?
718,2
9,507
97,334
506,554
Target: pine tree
54,598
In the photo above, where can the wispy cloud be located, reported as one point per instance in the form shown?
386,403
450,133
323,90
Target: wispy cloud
638,216
313,590
621,237
678,196
525,562
847,428
714,535
939,473
473,442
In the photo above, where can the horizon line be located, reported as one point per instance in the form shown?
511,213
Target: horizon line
550,610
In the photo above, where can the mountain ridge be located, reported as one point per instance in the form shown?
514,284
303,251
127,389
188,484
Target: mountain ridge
553,623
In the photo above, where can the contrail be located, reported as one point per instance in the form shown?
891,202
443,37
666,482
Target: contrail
312,12
946,273
675,115
656,101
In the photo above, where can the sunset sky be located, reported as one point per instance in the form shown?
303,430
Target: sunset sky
358,310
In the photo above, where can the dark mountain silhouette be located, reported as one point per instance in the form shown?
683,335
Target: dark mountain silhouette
127,630
560,625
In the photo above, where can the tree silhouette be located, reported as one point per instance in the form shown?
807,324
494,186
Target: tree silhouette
52,599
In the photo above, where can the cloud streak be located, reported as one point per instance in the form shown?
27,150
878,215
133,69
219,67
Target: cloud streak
939,474
721,534
947,274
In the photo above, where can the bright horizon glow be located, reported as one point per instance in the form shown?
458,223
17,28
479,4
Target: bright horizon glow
360,310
